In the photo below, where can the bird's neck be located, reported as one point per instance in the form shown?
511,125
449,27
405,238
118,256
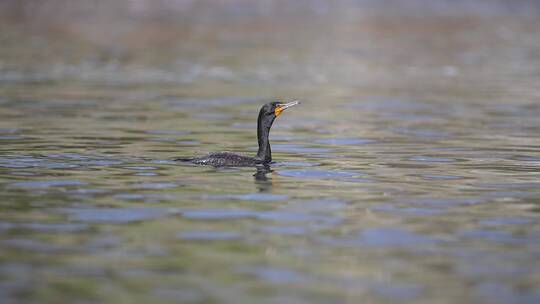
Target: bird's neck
263,132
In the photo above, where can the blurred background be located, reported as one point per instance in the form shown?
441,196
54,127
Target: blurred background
348,45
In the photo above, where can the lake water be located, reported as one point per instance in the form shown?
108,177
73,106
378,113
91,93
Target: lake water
410,172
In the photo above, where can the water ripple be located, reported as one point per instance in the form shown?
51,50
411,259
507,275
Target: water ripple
208,235
114,215
48,184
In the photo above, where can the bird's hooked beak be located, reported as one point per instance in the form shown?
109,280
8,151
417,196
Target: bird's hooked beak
284,106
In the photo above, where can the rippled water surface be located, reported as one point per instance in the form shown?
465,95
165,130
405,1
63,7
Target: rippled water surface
414,178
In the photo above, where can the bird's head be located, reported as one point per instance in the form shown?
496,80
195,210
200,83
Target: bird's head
274,109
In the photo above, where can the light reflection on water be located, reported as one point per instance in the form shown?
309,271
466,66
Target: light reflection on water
405,180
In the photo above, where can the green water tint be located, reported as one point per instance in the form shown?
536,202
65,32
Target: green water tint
393,181
95,210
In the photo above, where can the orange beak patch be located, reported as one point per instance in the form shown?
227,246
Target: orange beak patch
278,110
284,106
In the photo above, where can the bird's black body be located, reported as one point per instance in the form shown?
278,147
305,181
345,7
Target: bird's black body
267,115
224,159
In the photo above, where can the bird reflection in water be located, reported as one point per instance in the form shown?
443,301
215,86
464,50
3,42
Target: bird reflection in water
262,181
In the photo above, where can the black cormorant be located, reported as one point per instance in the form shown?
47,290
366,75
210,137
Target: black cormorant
267,114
